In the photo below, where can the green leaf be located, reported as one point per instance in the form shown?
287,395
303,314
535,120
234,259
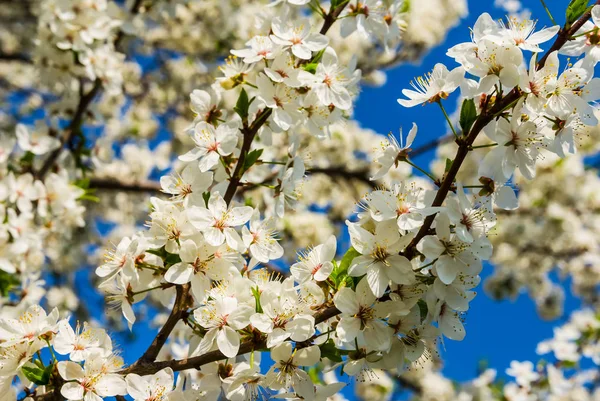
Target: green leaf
168,258
448,165
314,374
89,197
7,282
242,105
206,197
84,183
251,158
36,374
330,351
172,258
340,272
423,309
575,10
310,67
27,158
468,115
256,294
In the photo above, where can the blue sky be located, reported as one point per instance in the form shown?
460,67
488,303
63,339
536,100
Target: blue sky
498,332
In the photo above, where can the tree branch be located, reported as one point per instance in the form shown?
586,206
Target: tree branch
179,309
212,356
115,185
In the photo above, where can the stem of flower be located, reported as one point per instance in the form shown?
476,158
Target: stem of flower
548,12
51,350
146,290
420,169
448,119
489,145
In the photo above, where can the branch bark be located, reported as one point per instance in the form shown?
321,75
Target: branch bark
179,309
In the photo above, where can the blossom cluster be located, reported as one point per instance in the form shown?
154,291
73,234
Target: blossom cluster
208,251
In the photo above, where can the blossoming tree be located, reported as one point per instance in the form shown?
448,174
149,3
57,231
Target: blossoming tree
255,291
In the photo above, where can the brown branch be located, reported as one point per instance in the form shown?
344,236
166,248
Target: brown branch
340,172
116,185
15,57
249,133
179,309
212,356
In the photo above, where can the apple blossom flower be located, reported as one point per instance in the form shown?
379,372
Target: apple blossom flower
217,222
380,260
362,315
297,36
316,265
222,317
433,87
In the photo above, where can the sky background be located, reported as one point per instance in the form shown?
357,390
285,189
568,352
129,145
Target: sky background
497,332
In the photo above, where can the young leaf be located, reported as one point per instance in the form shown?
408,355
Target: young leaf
468,115
423,309
242,105
448,165
251,158
330,351
256,295
340,272
575,10
7,282
36,374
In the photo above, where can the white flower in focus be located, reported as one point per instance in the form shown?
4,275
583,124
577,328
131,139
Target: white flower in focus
188,186
297,36
391,153
316,265
283,70
92,382
211,143
520,33
405,203
518,142
362,315
156,387
82,342
206,106
30,325
287,370
433,87
222,317
122,259
217,222
368,17
451,255
471,220
261,239
380,259
200,263
330,81
260,48
281,99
